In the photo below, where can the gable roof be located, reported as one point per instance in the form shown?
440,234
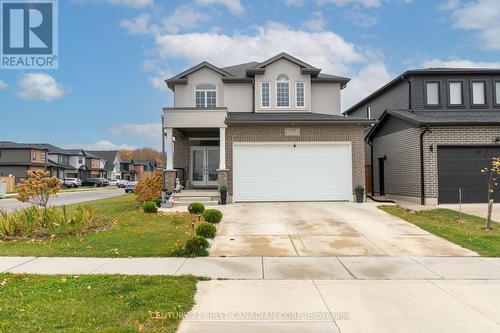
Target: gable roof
439,118
421,71
15,145
246,71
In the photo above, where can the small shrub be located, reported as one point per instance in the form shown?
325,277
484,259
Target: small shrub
196,247
212,215
149,188
157,201
196,208
206,230
149,207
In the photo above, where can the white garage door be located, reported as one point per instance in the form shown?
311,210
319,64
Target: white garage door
292,172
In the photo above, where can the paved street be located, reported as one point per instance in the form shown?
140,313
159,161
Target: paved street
66,198
323,229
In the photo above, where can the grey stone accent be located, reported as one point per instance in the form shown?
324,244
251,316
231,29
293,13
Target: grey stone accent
170,176
276,133
222,177
402,167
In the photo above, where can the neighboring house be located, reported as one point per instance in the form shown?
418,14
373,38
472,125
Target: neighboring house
17,158
437,129
65,163
269,131
126,169
113,161
94,166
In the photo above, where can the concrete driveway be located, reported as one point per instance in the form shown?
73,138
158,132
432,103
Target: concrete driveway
323,229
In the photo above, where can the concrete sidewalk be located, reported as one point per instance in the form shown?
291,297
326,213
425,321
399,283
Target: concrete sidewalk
268,268
261,306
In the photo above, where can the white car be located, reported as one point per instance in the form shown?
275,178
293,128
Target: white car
72,182
113,181
122,183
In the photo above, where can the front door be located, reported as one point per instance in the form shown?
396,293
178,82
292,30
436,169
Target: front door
204,165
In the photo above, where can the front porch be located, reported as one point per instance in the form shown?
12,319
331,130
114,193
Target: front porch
195,150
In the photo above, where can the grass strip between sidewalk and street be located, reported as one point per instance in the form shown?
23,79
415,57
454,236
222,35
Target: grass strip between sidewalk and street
94,303
133,234
468,231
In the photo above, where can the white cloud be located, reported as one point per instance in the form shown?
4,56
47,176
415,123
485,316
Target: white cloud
479,15
324,49
362,19
100,145
183,18
127,3
39,86
365,3
294,3
316,23
459,63
150,132
234,6
3,85
138,25
364,82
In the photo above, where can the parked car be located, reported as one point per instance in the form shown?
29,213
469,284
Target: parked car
122,183
99,182
113,181
130,187
72,182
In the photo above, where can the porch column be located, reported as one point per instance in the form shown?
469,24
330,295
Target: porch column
169,132
222,148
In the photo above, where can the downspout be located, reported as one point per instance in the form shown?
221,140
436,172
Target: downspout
164,190
253,93
422,173
409,92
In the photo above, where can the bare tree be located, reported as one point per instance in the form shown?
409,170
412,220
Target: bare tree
492,173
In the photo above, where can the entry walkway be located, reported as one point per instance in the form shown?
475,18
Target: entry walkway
267,268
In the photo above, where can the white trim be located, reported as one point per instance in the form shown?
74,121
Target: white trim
304,87
269,93
205,90
276,91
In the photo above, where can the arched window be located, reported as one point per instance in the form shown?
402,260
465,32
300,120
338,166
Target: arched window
206,95
282,91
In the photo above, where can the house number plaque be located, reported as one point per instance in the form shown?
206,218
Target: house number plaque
293,131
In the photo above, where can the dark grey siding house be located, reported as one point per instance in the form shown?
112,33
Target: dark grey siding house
436,130
17,158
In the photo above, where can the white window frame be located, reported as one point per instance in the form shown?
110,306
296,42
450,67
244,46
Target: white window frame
276,87
33,155
205,90
268,92
43,156
296,95
497,95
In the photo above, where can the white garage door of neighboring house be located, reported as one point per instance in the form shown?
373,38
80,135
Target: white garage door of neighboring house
292,172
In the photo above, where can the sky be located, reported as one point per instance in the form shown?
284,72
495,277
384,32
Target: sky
108,91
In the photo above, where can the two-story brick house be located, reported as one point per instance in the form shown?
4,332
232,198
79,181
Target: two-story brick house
269,131
437,128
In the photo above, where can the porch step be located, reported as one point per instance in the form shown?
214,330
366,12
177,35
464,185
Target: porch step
205,203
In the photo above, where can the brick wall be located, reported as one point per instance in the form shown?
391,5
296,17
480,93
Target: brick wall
276,133
457,135
402,166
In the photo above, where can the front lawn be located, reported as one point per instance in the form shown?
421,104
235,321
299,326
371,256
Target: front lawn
469,232
134,234
94,303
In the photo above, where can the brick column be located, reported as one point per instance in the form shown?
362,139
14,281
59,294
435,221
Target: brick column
170,176
222,177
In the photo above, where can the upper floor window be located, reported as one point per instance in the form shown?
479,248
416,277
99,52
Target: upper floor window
432,93
369,112
478,93
497,92
300,94
282,91
33,155
42,156
264,95
206,96
455,93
